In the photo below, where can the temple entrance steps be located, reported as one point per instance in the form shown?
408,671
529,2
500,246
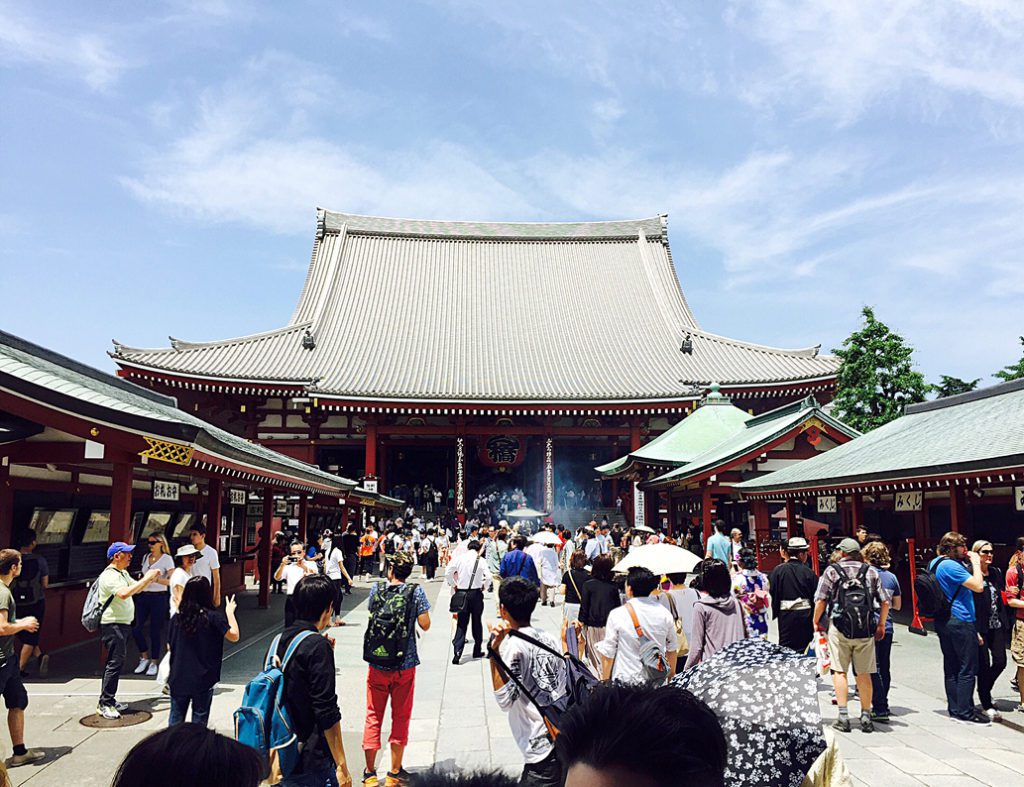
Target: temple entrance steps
575,518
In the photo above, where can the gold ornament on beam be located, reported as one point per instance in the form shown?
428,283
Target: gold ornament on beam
164,451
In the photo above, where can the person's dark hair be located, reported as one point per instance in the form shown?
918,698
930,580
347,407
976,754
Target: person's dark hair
502,534
519,542
9,558
199,528
401,568
190,754
437,777
748,558
1020,544
578,559
949,542
641,581
25,538
474,545
677,579
196,599
664,734
720,526
716,580
602,568
313,596
519,597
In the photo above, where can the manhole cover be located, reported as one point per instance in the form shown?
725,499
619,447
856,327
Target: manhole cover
129,718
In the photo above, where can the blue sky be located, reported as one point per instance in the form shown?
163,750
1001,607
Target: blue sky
160,163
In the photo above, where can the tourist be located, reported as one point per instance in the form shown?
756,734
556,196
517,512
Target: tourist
495,553
573,580
599,597
278,549
367,545
736,544
309,687
1015,600
186,557
538,670
642,737
640,618
753,590
350,551
196,639
793,585
293,568
467,575
334,568
431,554
190,754
591,546
394,682
718,619
209,566
517,563
958,636
679,600
116,589
991,618
11,685
719,546
546,560
29,591
852,591
877,554
152,606
861,534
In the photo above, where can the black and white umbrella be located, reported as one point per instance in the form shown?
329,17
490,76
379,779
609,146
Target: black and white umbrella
766,699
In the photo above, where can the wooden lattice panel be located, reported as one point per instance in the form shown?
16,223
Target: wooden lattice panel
164,451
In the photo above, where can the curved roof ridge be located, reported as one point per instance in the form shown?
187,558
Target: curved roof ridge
804,352
177,345
653,226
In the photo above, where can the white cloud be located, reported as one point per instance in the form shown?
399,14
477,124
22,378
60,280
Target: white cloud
84,56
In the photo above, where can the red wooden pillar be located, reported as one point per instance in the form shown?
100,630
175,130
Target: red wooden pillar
762,521
706,512
121,503
957,510
370,469
303,515
791,523
264,550
857,509
6,503
214,501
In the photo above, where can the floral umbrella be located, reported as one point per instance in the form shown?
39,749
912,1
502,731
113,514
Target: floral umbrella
766,699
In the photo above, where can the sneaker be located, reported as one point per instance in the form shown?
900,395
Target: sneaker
166,690
866,725
977,718
30,755
1014,685
152,669
109,712
994,715
44,666
882,718
843,725
143,666
121,707
397,779
370,779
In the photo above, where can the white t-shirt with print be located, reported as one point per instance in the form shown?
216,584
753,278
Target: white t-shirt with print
623,645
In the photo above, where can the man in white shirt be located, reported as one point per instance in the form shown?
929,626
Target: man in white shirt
542,673
469,573
294,567
546,560
209,566
620,648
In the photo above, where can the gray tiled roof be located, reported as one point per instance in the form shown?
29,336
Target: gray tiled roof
25,367
975,431
461,311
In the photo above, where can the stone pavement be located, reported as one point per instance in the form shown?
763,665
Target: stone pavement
456,722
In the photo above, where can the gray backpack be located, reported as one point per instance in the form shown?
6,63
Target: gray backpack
652,658
92,610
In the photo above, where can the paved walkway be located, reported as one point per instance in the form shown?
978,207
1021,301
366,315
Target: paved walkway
457,723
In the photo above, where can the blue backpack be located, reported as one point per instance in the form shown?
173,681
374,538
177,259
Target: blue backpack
262,721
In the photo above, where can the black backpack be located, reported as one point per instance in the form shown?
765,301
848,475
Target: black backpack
932,601
852,608
387,633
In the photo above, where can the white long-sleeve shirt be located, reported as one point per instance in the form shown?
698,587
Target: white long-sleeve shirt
460,572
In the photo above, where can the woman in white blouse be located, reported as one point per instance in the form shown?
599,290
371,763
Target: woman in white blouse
151,605
186,557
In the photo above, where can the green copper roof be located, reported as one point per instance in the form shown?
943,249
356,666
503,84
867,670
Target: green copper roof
712,422
755,432
980,430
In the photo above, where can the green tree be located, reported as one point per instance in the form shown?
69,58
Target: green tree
1014,372
951,386
877,378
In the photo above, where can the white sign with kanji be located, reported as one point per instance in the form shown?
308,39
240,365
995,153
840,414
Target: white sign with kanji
909,501
1018,498
827,505
166,490
236,497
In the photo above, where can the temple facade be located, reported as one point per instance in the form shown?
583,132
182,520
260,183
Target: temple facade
471,357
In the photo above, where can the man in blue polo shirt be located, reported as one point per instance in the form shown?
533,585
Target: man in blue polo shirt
958,636
719,546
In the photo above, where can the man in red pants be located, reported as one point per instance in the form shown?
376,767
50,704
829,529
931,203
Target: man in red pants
389,647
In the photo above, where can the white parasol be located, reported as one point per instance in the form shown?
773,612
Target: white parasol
546,537
660,559
525,513
643,529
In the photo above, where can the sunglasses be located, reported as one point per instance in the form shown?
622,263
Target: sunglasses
984,551
153,543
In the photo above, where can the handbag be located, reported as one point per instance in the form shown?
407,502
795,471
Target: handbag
684,643
460,597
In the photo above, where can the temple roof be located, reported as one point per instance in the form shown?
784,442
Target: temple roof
977,431
488,312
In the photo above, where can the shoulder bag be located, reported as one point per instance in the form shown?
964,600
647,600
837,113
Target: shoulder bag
461,596
684,643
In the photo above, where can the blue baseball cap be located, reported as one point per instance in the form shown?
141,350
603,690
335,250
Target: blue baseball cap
118,546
